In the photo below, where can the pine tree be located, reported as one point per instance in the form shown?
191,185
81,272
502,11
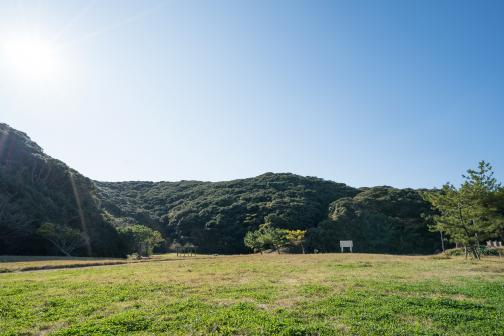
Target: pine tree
464,214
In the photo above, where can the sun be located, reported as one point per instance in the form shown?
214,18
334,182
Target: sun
31,58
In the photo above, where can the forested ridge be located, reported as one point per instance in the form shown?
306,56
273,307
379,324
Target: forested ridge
214,216
35,188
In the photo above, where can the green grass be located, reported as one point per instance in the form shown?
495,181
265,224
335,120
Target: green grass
327,294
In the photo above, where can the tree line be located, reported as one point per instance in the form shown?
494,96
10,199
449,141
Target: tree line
46,208
466,215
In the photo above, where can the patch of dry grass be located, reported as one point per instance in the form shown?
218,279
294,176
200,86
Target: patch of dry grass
36,263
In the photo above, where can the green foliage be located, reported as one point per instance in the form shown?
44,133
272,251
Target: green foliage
216,216
276,237
469,214
494,205
253,240
379,219
296,238
65,238
267,237
34,189
140,239
483,250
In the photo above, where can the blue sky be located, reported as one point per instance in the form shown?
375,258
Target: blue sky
402,93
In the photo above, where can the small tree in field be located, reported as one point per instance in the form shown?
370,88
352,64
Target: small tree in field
266,237
65,238
140,239
278,238
464,213
253,241
296,238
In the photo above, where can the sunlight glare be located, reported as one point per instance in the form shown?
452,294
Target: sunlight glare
32,58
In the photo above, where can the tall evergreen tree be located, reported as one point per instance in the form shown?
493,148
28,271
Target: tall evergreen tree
465,214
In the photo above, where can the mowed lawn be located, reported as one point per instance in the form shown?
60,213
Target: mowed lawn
324,294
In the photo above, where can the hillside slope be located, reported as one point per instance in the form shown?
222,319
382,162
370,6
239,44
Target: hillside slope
35,188
379,220
216,216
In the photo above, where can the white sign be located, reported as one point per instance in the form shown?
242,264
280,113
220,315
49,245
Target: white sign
346,243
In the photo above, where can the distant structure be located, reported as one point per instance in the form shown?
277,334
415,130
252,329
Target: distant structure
494,243
186,250
346,243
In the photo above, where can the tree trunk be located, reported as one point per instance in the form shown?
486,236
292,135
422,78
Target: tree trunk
478,250
64,252
442,241
474,252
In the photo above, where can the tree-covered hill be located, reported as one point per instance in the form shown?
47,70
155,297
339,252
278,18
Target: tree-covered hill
379,219
35,188
215,216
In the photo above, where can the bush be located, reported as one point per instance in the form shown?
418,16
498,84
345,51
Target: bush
494,251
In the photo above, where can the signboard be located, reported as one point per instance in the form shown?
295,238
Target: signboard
346,243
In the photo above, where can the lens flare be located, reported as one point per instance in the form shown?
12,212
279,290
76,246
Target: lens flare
31,58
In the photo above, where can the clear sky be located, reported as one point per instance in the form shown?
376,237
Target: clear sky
402,93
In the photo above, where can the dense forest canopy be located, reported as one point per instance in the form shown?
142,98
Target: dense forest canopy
34,189
214,216
379,219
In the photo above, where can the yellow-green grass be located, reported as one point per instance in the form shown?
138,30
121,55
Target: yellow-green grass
324,294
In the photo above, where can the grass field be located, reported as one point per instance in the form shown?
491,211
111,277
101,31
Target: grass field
325,294
34,263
